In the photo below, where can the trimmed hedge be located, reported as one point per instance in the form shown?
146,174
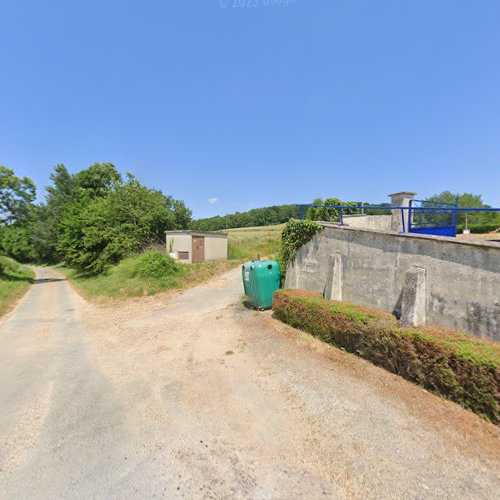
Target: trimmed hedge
461,368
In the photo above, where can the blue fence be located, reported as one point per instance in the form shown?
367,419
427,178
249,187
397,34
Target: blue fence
424,217
441,221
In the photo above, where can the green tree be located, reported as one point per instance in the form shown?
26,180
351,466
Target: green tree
465,200
131,217
329,214
98,180
17,195
47,219
17,242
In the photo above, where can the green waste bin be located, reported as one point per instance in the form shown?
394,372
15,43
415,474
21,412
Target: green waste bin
261,278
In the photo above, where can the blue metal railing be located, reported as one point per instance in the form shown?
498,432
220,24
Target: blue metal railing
421,228
442,221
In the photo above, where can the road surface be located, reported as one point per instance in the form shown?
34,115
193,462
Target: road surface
194,396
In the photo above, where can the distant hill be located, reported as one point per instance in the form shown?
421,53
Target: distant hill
278,214
266,216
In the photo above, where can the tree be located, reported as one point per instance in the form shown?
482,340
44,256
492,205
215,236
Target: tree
131,217
47,218
17,243
98,180
464,200
16,196
329,214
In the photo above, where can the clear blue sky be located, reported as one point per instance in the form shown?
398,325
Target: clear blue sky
256,106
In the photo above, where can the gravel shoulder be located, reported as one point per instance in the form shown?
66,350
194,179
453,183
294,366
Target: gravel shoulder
194,396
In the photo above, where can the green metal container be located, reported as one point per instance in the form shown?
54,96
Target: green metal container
245,271
261,278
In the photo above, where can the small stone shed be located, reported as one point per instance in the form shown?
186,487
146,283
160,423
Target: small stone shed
196,246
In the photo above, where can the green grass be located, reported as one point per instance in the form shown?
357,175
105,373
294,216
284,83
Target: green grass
144,274
247,242
448,362
14,281
131,278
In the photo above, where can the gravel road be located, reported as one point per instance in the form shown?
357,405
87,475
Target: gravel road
194,396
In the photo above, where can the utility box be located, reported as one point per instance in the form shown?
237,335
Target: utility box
261,278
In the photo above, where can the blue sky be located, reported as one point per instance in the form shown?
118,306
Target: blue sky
255,104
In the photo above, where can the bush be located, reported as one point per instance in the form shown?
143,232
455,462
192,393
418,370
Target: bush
153,265
461,368
296,233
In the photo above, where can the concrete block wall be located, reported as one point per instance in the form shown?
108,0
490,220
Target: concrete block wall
419,278
377,222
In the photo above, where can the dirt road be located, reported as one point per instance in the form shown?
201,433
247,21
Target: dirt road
197,397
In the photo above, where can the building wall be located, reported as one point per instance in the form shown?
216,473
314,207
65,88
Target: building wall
378,222
182,243
215,247
460,281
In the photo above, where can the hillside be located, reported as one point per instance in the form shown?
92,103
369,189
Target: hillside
248,242
266,216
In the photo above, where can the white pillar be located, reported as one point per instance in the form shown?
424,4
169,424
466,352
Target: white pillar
400,200
414,303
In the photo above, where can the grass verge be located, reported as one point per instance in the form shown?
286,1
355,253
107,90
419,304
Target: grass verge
14,281
461,368
144,274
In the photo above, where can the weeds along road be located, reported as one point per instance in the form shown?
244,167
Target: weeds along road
197,397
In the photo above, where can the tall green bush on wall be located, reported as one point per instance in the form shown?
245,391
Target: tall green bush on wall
295,234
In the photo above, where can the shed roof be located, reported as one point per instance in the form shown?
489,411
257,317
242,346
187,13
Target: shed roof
198,233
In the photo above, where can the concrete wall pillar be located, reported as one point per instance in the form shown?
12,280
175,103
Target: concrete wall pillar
414,301
333,287
401,199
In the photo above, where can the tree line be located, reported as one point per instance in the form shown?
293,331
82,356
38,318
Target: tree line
90,220
278,214
266,216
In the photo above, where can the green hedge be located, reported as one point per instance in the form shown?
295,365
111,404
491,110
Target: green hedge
480,228
461,368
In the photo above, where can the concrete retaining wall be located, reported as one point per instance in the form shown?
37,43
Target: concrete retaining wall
420,278
377,222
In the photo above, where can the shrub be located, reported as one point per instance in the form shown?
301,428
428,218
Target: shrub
461,368
296,233
153,265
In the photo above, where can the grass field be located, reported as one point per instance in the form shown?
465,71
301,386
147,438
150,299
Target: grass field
14,281
246,242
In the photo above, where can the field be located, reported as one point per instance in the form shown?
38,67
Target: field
247,242
14,281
